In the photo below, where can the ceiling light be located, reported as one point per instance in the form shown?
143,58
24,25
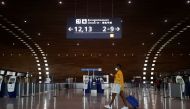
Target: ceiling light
179,24
47,68
144,68
152,73
3,26
185,29
60,2
3,3
188,2
132,54
153,64
47,73
39,69
39,34
144,73
16,27
151,33
165,20
172,29
113,44
178,33
144,78
78,44
151,78
145,64
129,2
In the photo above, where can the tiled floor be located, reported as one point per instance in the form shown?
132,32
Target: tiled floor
74,99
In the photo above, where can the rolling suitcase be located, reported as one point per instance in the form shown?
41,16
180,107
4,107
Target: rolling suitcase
133,101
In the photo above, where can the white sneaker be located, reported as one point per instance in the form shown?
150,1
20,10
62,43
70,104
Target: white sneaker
107,106
124,107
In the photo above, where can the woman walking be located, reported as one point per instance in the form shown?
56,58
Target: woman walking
118,88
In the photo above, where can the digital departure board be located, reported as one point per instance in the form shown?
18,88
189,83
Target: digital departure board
94,28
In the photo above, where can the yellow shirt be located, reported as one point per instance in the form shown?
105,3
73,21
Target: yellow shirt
118,79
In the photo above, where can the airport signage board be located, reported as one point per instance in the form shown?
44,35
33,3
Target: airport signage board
94,28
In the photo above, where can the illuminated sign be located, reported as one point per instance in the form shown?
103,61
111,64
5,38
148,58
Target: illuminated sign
94,28
91,69
2,72
11,73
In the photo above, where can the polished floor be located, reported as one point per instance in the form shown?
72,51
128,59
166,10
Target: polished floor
74,99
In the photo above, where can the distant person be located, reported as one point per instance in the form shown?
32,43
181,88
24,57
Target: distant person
179,80
158,84
118,88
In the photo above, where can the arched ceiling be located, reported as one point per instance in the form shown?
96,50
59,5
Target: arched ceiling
144,22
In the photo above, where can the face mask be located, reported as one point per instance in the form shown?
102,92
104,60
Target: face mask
116,69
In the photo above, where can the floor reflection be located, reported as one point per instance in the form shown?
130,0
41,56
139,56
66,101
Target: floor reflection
74,99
